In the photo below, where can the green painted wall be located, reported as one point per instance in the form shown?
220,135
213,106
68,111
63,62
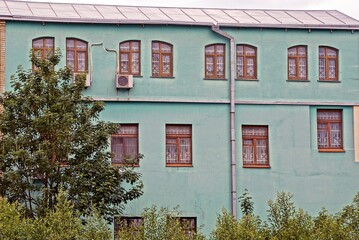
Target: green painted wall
316,179
272,45
201,190
188,64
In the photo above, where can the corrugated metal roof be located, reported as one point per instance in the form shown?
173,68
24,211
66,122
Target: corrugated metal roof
89,13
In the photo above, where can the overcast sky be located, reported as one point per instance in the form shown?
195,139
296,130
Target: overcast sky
348,7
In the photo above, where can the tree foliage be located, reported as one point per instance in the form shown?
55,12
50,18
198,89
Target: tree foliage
52,137
285,221
61,223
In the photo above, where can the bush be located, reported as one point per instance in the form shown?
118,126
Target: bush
12,224
285,222
62,223
248,227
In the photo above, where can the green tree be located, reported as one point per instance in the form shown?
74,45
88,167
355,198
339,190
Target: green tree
52,137
12,223
247,228
329,227
247,204
285,221
349,218
60,223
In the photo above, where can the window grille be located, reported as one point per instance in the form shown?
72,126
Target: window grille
124,145
328,64
178,145
255,146
246,62
215,61
297,63
130,58
329,129
77,55
162,59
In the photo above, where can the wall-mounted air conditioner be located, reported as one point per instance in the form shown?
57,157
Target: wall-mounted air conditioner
87,80
124,81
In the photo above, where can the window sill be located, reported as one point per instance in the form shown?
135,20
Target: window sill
297,80
179,165
330,81
247,79
331,150
221,79
162,77
255,166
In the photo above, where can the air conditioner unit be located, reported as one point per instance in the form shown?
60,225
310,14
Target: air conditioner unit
124,81
87,80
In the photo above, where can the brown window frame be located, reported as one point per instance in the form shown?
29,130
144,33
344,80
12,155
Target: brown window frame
297,59
328,128
254,138
130,53
326,65
44,51
215,56
124,222
76,53
178,137
245,60
161,57
189,229
125,135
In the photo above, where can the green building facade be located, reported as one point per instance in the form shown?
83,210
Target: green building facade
222,100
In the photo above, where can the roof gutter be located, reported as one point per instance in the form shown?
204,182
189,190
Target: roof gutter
20,18
232,118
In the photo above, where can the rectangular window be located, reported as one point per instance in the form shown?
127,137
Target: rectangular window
329,130
126,222
255,146
124,145
189,225
178,145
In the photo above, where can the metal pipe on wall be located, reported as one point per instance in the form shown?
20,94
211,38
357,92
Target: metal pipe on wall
232,118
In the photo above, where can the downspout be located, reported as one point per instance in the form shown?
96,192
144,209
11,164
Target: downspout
107,50
232,118
117,65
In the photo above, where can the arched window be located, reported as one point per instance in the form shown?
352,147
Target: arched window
43,47
162,59
246,62
215,61
297,63
328,64
77,55
130,58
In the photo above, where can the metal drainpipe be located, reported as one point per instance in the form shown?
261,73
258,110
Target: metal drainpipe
117,65
232,118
